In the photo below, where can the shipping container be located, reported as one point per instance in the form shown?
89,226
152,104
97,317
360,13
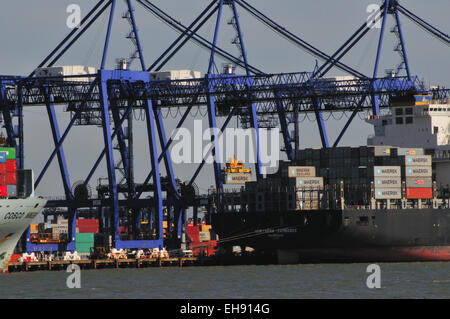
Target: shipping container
418,160
84,237
309,182
237,178
204,236
11,190
33,228
410,151
418,171
3,191
299,171
11,178
10,152
381,150
419,182
416,193
2,157
84,247
87,222
11,166
387,171
388,193
388,182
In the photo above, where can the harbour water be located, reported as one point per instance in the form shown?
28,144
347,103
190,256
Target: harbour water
398,280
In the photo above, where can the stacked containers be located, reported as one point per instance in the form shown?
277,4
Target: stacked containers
8,172
418,172
85,230
307,186
387,182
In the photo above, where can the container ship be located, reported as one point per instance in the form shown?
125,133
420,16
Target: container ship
387,201
18,205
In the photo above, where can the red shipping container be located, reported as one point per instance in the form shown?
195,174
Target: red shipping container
193,233
2,168
416,193
87,222
11,165
2,179
3,191
84,229
123,229
11,178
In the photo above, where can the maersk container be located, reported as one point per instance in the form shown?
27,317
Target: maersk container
387,171
237,178
418,171
310,182
419,182
388,193
299,171
387,182
418,160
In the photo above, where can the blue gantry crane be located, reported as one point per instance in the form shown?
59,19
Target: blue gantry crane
107,98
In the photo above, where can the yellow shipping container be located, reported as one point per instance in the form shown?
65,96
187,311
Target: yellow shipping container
33,228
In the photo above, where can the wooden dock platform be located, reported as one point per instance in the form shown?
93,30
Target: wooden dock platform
103,263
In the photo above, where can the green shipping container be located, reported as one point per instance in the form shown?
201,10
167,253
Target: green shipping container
84,247
84,238
10,152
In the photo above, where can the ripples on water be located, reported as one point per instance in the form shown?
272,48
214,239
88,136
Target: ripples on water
398,280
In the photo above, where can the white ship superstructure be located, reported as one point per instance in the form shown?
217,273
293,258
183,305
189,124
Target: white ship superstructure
15,216
421,123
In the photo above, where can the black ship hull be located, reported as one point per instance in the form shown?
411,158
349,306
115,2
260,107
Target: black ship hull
340,235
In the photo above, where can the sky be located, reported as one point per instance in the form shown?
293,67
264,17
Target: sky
31,29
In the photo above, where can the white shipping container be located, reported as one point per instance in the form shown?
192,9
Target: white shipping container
309,182
389,182
237,178
204,236
388,193
299,171
410,151
419,182
387,171
419,171
418,160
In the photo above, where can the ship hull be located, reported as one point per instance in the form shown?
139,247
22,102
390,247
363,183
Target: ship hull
341,236
15,216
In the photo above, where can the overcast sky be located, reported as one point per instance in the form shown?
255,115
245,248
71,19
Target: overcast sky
31,29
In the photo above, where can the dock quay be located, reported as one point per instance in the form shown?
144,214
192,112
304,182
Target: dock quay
104,263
